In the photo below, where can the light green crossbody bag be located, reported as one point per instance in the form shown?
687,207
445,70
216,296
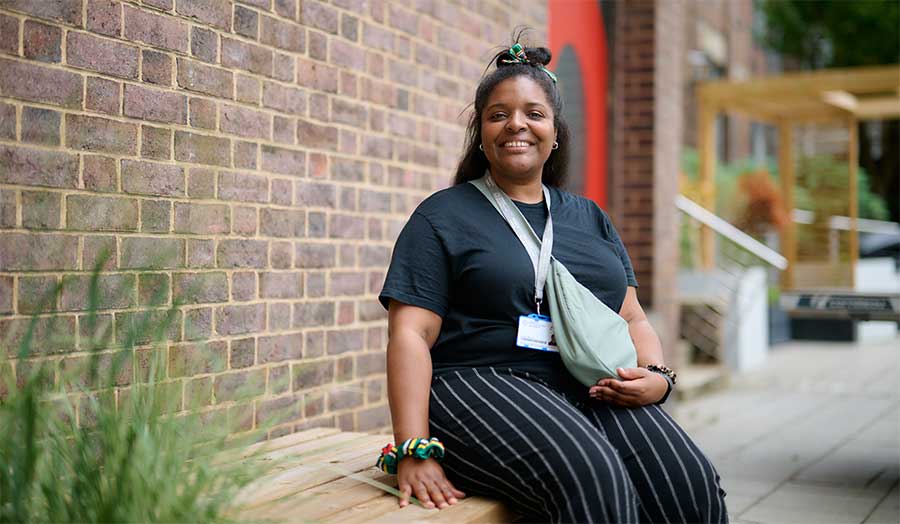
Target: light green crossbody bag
593,340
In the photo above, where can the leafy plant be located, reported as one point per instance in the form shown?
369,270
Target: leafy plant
74,448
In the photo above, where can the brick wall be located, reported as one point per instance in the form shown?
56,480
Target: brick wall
252,161
648,111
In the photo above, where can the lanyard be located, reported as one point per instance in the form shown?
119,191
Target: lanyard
538,249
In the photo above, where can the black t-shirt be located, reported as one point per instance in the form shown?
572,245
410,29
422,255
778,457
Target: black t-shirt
458,257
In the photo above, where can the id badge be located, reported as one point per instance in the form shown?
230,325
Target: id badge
536,332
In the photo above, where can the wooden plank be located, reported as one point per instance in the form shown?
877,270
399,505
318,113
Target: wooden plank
786,176
311,472
468,510
290,440
706,148
852,161
321,501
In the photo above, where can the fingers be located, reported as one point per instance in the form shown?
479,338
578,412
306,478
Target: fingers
454,492
421,491
405,492
436,493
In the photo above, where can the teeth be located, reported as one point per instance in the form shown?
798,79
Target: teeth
516,144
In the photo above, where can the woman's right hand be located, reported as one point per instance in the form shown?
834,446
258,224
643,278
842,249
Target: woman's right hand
425,479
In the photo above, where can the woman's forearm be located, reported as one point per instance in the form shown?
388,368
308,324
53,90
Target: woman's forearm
409,384
646,342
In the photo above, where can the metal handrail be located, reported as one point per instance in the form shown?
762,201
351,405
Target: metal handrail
717,224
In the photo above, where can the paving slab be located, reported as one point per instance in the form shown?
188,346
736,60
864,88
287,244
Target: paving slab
813,436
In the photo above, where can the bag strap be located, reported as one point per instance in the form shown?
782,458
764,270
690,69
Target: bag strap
539,249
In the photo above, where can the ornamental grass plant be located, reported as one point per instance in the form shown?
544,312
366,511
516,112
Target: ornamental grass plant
80,444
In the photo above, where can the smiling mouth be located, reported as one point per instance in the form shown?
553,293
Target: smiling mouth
515,145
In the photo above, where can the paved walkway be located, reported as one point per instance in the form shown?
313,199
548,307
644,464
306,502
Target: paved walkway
811,438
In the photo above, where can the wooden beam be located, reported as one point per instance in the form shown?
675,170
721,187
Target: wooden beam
706,149
878,108
810,84
852,161
786,177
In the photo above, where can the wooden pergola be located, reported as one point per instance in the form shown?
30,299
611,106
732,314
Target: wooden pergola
833,95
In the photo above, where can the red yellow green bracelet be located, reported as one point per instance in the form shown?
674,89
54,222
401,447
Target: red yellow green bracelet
420,448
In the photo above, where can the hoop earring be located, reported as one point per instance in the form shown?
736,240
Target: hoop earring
555,145
481,147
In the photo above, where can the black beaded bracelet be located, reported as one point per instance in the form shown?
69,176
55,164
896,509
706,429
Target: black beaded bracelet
667,374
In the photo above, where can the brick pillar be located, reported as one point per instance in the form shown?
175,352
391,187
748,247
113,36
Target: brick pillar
648,110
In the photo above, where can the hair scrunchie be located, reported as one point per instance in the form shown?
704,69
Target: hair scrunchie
420,448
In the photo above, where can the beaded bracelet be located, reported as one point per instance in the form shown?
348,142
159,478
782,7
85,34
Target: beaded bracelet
420,448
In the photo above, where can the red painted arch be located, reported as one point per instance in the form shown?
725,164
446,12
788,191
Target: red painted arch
579,24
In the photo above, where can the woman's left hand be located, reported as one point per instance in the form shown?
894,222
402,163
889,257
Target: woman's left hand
638,387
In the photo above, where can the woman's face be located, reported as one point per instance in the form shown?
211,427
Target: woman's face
517,131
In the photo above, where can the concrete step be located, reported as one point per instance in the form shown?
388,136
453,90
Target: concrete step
698,380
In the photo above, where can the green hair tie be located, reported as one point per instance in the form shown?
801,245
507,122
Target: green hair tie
517,52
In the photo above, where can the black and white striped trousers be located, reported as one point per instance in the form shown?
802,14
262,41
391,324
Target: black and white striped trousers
513,437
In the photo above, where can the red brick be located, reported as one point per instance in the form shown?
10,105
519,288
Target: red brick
42,42
318,45
113,292
55,334
283,161
349,27
377,147
245,154
9,34
204,44
346,226
202,219
243,286
101,213
202,149
99,253
103,56
157,30
40,126
99,173
156,216
201,253
313,314
202,78
262,4
194,359
378,38
153,289
285,223
200,288
316,224
319,15
246,22
89,133
7,209
280,284
344,112
344,399
245,187
7,121
103,95
239,386
156,143
152,253
282,192
347,283
156,105
241,253
33,167
156,67
288,99
38,83
309,194
236,320
198,324
213,12
245,122
286,8
32,252
201,183
40,210
104,17
6,296
198,393
245,220
243,353
316,136
316,75
318,106
282,35
280,255
247,89
202,113
67,11
246,56
310,374
284,67
348,84
151,178
284,130
344,340
347,55
165,5
312,255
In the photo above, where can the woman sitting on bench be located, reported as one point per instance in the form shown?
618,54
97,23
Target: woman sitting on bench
515,423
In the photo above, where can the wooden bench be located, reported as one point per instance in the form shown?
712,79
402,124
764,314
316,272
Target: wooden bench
324,475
